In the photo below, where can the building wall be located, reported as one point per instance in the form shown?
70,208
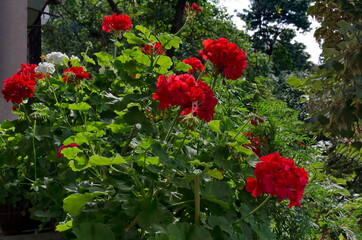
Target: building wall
13,45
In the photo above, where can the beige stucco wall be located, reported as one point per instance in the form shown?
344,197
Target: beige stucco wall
13,45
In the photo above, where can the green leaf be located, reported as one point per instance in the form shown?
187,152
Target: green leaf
187,231
164,61
263,231
168,41
73,204
79,106
217,192
70,152
154,217
222,222
142,58
294,81
133,39
64,226
144,160
180,66
93,231
146,143
134,115
214,125
142,29
159,151
103,161
79,163
88,59
215,174
118,128
104,59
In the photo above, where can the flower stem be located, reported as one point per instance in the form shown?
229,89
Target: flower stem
203,70
216,74
115,51
34,150
197,200
172,126
128,141
182,28
257,208
240,130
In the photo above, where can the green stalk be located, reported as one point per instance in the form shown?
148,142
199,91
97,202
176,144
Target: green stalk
128,141
216,74
34,150
197,200
172,126
205,66
257,208
115,50
240,130
182,28
183,142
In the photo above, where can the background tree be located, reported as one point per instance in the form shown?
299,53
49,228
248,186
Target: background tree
273,25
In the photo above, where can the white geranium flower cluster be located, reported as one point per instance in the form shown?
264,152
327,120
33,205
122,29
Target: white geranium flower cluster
56,58
45,67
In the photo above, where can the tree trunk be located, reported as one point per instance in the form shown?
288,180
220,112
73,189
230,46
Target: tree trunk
177,22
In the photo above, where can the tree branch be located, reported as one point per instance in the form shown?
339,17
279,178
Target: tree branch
113,6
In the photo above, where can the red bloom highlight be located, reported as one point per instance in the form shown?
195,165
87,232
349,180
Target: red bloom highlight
195,63
192,97
226,57
280,177
255,143
156,49
116,23
60,154
74,74
22,84
193,7
256,121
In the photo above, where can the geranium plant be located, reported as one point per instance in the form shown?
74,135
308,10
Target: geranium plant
140,146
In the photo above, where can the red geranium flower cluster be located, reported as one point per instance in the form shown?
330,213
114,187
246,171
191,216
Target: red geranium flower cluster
226,57
255,143
60,154
193,7
156,49
256,121
116,23
75,74
22,84
195,97
195,63
280,177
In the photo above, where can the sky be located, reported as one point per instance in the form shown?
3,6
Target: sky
307,38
